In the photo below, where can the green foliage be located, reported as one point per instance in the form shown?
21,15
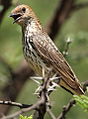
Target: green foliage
25,117
82,101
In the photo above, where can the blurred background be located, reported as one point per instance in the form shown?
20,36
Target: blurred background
13,68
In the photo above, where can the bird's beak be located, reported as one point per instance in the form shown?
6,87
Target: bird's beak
16,17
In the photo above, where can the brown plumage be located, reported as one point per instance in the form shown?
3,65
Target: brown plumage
40,51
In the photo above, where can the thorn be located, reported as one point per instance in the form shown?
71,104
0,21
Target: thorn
36,78
38,90
69,40
55,84
54,78
36,81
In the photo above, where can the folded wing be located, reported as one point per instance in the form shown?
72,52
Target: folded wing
49,53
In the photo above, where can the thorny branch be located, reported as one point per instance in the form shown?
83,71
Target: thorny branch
40,106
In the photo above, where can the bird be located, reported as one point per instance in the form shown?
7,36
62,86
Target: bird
40,51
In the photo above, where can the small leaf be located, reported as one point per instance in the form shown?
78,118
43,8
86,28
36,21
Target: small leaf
82,101
25,117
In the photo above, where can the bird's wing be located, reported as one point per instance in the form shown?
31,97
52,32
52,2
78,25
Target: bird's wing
49,52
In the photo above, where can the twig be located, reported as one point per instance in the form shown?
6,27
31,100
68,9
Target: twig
80,6
51,114
68,42
33,107
85,85
14,104
66,109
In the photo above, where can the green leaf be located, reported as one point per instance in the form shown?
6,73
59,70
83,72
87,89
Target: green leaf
82,101
25,117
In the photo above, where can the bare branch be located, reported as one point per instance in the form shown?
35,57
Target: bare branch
66,109
80,6
16,114
5,5
14,104
51,114
61,14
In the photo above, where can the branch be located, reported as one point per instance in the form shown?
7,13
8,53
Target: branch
16,114
80,6
63,11
66,109
40,106
51,114
85,85
61,14
5,5
14,104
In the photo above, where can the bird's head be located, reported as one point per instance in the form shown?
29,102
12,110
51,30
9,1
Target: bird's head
22,14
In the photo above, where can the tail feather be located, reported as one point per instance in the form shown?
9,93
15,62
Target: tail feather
78,90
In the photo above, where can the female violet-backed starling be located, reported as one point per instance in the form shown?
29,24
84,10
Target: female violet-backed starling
41,53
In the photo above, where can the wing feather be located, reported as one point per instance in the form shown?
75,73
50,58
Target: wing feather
49,53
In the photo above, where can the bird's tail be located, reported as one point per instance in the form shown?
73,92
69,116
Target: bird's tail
75,90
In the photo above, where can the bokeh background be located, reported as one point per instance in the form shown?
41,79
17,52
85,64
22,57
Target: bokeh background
75,28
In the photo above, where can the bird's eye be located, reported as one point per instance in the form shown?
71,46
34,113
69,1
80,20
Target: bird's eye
24,9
